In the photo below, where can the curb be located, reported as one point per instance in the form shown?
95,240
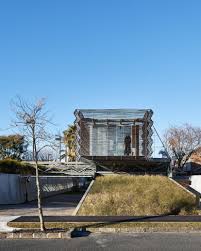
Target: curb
83,233
141,230
182,187
83,198
36,235
196,194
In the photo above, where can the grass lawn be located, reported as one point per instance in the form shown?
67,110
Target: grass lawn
136,196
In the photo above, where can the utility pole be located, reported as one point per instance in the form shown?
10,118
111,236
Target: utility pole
59,139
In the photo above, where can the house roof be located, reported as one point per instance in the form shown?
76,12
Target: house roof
113,113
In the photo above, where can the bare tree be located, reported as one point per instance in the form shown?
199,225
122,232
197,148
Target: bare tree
181,142
33,119
47,154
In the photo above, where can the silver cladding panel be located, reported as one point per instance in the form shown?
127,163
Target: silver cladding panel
107,139
113,113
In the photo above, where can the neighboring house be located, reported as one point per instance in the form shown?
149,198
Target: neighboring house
194,163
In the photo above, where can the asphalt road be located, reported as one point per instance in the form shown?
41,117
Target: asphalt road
116,242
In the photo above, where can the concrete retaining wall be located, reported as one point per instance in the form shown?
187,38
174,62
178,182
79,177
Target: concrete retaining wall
16,189
12,191
196,182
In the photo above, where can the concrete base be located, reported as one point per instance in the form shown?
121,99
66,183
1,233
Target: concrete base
3,224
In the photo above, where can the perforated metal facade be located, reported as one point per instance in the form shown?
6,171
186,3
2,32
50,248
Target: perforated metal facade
103,132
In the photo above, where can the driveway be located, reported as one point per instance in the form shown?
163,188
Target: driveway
58,205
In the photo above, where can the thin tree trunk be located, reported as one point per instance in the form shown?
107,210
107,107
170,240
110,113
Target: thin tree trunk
187,157
40,211
33,152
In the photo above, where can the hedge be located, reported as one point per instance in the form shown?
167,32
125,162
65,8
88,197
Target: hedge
16,167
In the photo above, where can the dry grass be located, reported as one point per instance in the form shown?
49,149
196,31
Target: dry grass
136,195
124,226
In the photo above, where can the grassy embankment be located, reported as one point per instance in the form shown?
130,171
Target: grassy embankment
137,195
132,195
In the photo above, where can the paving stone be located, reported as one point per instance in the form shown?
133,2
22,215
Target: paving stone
13,235
3,235
26,235
39,235
54,235
66,235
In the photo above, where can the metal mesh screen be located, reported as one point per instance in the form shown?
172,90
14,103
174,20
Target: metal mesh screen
103,132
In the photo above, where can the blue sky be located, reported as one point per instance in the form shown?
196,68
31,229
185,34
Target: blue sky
103,54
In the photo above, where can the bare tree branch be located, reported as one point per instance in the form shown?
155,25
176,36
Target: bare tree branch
33,119
182,142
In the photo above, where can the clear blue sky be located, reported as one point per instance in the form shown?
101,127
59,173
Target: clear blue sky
103,54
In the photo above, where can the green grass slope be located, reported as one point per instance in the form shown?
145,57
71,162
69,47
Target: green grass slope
136,195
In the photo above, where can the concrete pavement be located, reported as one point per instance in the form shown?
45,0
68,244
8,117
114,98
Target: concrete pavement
3,224
62,204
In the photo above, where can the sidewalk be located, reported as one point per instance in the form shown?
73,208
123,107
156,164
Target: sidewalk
111,219
3,224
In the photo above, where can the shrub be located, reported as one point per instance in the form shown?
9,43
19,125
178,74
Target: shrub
16,167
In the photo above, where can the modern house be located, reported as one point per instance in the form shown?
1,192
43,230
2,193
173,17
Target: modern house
112,132
115,137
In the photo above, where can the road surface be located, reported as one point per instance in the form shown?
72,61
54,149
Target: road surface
113,242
